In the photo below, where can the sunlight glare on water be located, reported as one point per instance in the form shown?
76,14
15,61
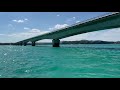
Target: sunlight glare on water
67,61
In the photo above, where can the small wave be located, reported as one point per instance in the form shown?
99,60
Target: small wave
5,54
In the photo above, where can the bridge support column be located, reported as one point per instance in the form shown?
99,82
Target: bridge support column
16,43
25,43
56,43
20,43
33,43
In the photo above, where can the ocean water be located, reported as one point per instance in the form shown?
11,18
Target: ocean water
67,61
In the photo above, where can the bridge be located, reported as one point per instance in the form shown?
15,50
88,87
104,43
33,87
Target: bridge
108,21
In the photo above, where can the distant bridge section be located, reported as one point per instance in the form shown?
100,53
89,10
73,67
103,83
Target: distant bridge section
108,21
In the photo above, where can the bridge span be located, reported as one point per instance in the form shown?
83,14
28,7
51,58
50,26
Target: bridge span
108,21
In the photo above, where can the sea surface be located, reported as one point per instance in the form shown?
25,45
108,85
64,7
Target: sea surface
67,61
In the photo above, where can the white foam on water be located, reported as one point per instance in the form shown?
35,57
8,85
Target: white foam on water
27,71
5,54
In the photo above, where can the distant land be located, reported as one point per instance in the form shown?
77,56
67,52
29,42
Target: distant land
90,42
73,42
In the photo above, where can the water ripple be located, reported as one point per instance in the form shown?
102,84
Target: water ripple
67,61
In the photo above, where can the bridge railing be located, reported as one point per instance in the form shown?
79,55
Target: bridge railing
94,18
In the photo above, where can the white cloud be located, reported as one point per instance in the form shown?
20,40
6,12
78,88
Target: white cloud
58,15
2,34
24,35
58,26
109,35
26,28
77,21
20,21
106,35
45,40
10,25
76,37
74,17
29,34
14,20
70,19
35,31
26,19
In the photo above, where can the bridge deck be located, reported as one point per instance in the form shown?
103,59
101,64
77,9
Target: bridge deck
111,20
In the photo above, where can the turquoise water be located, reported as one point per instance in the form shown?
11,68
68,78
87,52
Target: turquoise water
67,61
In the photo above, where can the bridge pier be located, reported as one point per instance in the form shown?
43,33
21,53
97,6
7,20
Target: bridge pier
25,43
56,43
16,43
33,43
20,43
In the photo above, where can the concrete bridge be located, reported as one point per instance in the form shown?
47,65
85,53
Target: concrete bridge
108,21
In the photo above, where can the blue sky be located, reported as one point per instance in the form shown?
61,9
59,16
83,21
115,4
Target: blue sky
16,26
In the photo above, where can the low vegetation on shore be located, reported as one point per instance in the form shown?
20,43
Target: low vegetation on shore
74,42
